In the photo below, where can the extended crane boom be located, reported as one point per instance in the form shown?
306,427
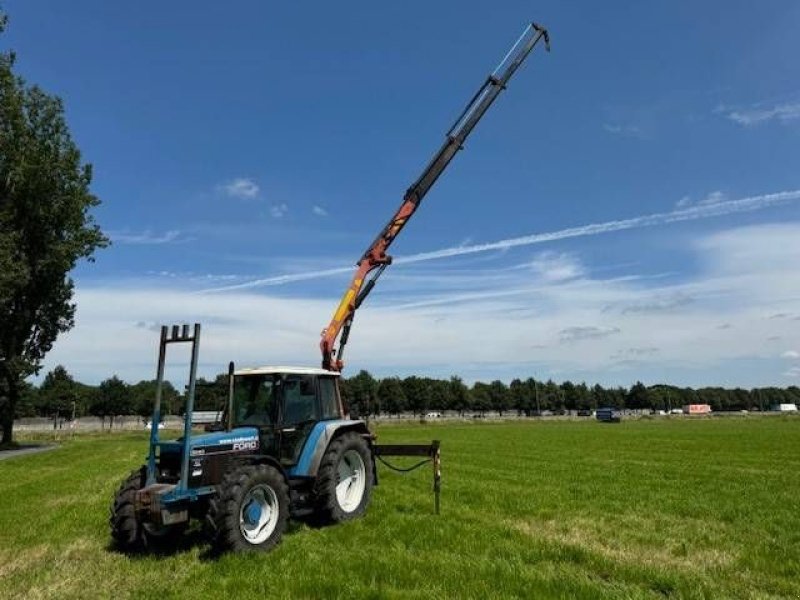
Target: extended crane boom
375,260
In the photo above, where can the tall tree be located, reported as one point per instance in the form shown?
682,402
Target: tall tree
638,396
480,397
418,393
499,397
113,399
45,228
143,395
391,397
459,395
57,394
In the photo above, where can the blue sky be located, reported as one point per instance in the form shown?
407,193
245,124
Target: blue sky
236,144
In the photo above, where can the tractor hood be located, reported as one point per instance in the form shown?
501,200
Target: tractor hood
241,439
237,440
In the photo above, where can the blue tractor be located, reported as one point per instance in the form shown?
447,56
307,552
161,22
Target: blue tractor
285,447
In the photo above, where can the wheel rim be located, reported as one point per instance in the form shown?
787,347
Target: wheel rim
259,514
351,480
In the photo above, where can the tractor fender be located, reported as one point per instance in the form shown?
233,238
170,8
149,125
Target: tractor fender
318,441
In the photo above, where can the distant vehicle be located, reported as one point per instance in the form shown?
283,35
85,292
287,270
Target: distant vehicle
608,415
433,415
660,412
585,412
697,409
676,411
784,407
149,425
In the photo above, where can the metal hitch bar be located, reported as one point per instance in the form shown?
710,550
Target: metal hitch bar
432,451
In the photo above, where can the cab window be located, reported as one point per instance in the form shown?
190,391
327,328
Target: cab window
299,399
329,403
255,400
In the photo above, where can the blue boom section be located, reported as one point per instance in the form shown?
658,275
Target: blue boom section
315,446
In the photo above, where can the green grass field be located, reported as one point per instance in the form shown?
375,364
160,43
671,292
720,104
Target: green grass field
678,508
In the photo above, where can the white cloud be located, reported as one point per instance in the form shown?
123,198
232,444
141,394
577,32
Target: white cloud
278,210
241,187
792,372
146,237
791,354
713,198
683,202
623,130
480,323
319,211
551,266
727,207
755,115
576,334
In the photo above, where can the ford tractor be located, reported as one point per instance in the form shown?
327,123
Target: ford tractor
285,446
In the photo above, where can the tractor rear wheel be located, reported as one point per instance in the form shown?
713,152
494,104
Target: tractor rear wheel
251,509
344,481
128,532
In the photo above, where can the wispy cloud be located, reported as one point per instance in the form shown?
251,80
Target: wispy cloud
241,187
758,114
656,305
524,320
551,266
791,354
714,197
628,353
278,210
147,237
623,130
575,334
704,211
319,211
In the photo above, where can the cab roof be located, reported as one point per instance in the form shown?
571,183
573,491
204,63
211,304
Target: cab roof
281,370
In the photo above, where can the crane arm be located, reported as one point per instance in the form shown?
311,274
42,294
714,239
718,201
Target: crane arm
375,260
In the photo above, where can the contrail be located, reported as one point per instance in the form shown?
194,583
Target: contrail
700,211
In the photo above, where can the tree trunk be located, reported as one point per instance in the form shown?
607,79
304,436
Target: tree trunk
7,416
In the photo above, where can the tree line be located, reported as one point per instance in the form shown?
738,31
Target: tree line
59,396
393,395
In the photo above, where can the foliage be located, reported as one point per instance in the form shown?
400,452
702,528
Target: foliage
57,394
143,395
114,398
45,228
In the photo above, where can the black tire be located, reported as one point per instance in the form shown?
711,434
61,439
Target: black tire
328,507
225,511
128,533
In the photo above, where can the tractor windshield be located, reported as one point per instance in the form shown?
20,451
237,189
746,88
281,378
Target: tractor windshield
255,400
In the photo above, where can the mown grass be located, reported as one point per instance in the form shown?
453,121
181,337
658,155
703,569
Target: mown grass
647,509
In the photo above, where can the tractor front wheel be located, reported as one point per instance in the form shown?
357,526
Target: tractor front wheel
251,509
344,481
128,532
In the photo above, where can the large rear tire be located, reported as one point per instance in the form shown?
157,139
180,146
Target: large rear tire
250,511
344,481
127,531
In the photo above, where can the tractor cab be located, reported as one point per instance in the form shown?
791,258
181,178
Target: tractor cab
285,405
